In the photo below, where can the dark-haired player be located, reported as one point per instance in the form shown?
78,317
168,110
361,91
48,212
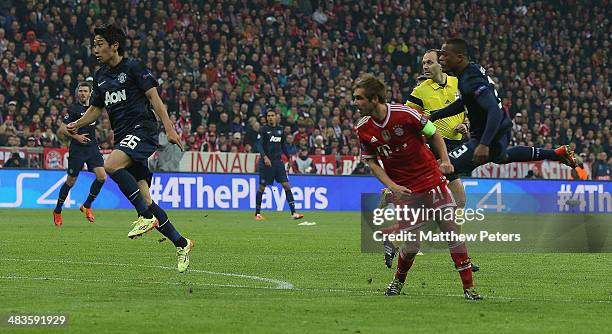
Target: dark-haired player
83,149
271,145
127,90
490,126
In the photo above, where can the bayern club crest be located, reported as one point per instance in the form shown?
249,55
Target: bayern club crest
398,130
121,78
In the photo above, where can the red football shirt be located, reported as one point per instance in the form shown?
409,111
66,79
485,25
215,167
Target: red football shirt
400,146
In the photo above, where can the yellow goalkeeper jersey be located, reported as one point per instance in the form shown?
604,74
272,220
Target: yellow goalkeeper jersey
430,96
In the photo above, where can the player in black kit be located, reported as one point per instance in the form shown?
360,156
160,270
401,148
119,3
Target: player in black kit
490,126
127,90
271,144
83,149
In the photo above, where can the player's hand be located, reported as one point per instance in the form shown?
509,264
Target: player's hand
83,139
72,128
174,138
462,129
446,167
481,154
399,191
267,161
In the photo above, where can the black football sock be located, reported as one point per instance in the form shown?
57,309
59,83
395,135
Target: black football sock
94,190
524,153
165,227
258,198
129,188
64,190
290,201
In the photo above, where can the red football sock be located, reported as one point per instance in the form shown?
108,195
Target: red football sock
463,264
403,265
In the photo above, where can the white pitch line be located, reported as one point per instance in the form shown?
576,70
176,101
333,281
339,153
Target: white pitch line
87,280
280,285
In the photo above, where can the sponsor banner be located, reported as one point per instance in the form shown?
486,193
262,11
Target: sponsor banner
518,170
219,162
245,163
348,163
56,158
40,188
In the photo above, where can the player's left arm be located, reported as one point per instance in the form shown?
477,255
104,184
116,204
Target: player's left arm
162,113
438,145
488,102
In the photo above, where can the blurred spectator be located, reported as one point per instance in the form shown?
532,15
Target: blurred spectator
237,143
15,161
601,167
304,164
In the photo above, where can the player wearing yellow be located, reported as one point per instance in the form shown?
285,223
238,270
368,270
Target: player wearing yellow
436,92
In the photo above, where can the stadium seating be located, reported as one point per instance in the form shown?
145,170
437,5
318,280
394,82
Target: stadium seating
221,65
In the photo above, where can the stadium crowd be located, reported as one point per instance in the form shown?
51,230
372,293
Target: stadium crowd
222,64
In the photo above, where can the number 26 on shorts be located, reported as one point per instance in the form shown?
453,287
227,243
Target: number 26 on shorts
130,141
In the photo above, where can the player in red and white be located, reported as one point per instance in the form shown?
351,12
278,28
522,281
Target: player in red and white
393,134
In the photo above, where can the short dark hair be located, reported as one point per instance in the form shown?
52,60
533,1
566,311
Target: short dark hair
459,45
112,34
373,86
85,84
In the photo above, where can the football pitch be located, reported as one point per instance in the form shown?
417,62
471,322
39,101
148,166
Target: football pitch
275,276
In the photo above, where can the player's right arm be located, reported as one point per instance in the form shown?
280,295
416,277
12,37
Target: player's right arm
382,176
261,138
63,131
81,138
90,116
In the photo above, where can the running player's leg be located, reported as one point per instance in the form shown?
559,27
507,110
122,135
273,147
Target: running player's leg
75,164
407,252
564,154
458,191
95,164
182,244
458,249
115,165
64,190
143,175
94,190
459,255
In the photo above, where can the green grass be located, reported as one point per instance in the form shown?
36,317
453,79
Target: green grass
105,282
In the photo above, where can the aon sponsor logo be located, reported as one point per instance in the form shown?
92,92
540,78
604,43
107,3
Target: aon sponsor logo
275,139
114,97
